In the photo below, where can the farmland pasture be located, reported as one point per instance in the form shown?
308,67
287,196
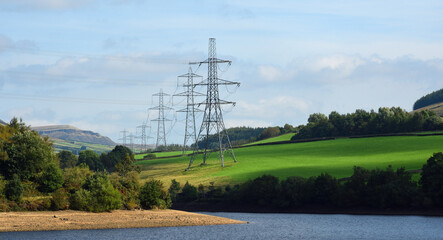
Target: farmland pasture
337,157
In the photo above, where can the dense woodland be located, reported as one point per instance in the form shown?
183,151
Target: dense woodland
242,135
33,178
237,136
376,189
432,98
361,122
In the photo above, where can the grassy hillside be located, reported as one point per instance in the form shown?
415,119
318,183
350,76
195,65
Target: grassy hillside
70,133
76,147
162,154
336,157
284,137
437,108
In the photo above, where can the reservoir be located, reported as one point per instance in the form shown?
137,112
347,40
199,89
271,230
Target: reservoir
270,226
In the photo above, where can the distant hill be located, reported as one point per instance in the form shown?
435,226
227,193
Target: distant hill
73,134
437,108
430,99
1,122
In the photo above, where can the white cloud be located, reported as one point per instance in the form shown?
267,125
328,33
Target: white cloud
270,108
270,73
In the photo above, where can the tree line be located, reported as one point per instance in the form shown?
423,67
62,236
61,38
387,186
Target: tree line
244,135
429,99
368,189
361,122
32,177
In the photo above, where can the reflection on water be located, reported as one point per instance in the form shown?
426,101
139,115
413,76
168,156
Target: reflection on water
270,226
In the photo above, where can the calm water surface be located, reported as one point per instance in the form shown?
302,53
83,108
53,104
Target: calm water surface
270,226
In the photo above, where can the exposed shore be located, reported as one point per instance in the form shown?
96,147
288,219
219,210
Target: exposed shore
311,209
75,220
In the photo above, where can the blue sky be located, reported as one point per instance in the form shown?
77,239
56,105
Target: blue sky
95,64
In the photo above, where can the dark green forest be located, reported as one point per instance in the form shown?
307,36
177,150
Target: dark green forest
237,136
375,189
33,178
361,122
429,99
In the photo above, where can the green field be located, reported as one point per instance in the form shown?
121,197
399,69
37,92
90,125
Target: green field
60,145
161,154
337,157
284,137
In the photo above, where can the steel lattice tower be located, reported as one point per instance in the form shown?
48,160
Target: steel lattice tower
143,137
190,129
124,137
213,118
161,132
131,141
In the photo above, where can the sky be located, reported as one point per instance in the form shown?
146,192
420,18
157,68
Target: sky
95,64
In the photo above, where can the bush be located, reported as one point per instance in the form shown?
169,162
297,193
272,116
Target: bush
432,179
149,156
128,186
104,197
75,178
153,196
67,159
80,200
14,189
2,188
174,189
98,195
189,193
59,200
51,179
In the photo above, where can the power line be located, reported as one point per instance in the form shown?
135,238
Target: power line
71,78
69,99
36,51
213,117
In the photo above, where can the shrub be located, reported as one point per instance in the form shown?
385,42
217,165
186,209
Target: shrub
189,193
59,200
153,196
128,186
174,189
432,179
2,188
80,200
14,189
67,159
98,195
104,197
75,178
149,156
51,179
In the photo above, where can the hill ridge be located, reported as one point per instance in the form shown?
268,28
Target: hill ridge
71,133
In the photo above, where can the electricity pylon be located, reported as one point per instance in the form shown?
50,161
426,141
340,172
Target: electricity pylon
124,137
143,136
161,132
213,118
131,141
190,129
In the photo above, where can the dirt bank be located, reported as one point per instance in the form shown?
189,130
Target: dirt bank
72,220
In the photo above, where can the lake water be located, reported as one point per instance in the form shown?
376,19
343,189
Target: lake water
270,226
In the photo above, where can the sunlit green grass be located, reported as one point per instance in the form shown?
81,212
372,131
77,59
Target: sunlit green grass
337,157
161,154
77,145
284,137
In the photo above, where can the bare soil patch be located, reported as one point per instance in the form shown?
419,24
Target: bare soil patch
74,220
